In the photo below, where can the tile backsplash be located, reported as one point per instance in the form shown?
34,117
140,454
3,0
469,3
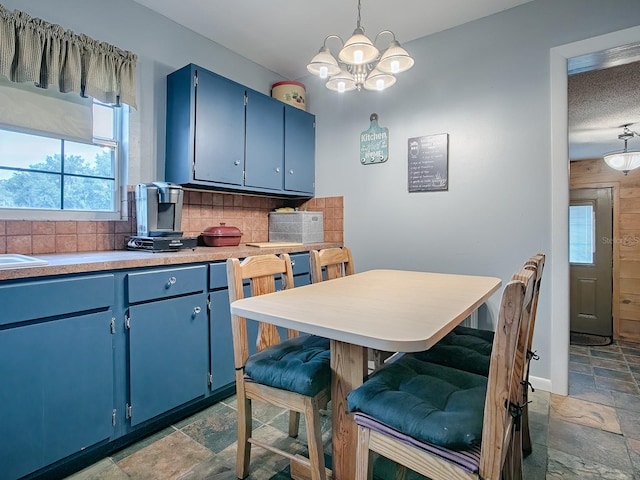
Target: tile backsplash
200,210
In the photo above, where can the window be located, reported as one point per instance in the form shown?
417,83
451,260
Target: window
44,173
582,245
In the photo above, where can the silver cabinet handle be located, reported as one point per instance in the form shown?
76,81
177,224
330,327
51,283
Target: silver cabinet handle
196,310
172,281
291,172
236,163
277,169
293,262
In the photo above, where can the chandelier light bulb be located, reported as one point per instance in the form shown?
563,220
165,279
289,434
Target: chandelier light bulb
395,66
341,87
324,72
357,56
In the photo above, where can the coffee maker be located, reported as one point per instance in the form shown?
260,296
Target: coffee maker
158,215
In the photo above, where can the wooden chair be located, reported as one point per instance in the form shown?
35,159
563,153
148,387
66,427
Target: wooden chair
469,349
493,460
293,374
535,263
331,263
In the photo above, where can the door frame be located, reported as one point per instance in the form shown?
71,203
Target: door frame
615,269
559,258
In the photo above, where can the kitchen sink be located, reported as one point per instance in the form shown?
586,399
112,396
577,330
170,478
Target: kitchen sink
15,260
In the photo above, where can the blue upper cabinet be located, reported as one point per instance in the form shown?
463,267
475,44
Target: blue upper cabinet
224,136
264,142
299,147
219,129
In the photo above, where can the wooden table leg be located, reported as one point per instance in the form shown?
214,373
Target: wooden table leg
348,362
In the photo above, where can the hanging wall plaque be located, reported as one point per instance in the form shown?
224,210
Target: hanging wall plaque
374,143
429,163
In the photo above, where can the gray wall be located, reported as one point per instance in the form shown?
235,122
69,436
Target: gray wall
485,83
162,46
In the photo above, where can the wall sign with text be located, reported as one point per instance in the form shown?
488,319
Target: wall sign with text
374,143
428,163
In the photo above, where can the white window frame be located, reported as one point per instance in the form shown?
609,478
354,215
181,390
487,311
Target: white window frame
120,175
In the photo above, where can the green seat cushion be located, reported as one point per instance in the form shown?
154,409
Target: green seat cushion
456,356
465,348
430,402
300,364
475,332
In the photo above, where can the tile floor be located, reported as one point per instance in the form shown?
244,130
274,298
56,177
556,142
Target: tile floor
594,433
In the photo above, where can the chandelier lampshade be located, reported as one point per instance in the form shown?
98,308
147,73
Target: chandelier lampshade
324,64
623,161
377,80
395,59
342,82
626,160
358,49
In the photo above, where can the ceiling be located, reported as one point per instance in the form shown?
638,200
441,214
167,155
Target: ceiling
283,36
602,101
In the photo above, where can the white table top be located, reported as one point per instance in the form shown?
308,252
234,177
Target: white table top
388,310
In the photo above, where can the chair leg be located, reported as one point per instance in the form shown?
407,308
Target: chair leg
379,357
527,447
244,433
314,439
364,456
401,472
294,423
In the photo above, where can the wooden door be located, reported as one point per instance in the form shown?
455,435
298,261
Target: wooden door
590,256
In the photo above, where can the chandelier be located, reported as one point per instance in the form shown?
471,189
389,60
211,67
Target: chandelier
360,63
625,160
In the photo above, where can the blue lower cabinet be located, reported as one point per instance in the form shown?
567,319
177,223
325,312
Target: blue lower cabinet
221,342
168,364
57,390
87,360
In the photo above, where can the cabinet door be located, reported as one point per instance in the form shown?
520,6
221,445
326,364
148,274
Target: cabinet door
299,150
57,390
301,266
264,142
219,129
168,350
222,364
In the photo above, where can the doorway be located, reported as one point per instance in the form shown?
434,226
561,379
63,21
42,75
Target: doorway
559,264
591,261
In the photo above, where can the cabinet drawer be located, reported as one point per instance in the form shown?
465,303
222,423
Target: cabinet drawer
217,275
165,283
59,296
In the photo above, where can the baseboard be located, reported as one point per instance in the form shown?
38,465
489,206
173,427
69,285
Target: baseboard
540,383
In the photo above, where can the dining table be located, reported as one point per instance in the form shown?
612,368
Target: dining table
382,309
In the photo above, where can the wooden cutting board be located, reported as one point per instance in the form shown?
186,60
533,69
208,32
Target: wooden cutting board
273,244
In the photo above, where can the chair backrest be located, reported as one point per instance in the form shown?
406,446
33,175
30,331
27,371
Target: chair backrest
536,263
337,262
262,271
515,308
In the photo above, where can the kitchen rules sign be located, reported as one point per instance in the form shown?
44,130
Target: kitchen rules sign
374,143
429,163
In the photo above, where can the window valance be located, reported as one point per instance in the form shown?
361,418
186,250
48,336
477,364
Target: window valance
32,50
